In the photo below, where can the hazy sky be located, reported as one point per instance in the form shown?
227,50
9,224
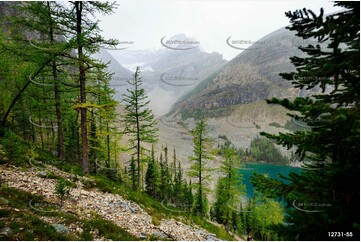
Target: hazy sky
145,22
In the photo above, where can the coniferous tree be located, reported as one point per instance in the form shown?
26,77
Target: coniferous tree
45,22
198,170
325,196
44,43
229,189
165,179
84,33
152,176
177,195
18,34
139,120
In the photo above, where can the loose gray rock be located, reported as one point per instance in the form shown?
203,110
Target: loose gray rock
160,235
61,229
133,209
212,238
6,231
42,174
121,204
143,236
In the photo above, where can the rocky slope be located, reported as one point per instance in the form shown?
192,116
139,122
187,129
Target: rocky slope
233,97
251,76
85,202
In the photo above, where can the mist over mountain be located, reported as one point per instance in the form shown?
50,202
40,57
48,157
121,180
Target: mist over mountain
251,76
171,71
188,83
120,74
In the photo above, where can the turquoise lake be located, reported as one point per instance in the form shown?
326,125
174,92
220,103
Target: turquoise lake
270,169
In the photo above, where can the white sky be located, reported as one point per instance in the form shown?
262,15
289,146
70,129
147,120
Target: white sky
145,22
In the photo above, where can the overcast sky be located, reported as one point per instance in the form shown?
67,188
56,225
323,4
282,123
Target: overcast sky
145,22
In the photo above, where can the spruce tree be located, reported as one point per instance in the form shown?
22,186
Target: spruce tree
139,121
324,197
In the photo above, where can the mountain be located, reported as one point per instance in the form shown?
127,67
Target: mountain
171,71
232,98
251,76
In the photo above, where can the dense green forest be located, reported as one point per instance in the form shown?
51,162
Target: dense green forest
57,107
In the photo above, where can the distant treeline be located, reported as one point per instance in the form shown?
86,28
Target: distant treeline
261,150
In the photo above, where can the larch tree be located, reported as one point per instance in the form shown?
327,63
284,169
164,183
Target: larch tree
230,188
139,121
199,171
83,31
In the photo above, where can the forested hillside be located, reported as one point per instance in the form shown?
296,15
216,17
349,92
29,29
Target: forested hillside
76,163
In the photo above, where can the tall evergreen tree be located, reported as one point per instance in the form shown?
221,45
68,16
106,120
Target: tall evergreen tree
139,120
198,170
46,23
230,188
84,32
325,196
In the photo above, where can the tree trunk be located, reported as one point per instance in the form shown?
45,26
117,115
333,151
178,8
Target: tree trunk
200,175
59,122
82,79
